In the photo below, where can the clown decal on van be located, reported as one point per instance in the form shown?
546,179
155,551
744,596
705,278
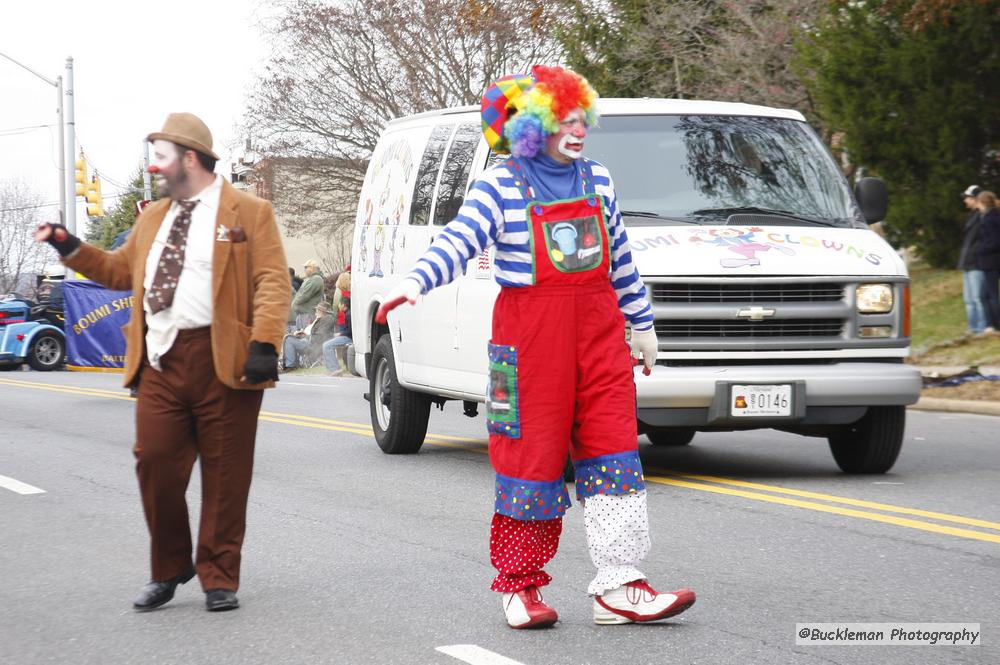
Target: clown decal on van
741,242
390,178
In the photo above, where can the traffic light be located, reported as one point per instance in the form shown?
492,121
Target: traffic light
81,175
95,204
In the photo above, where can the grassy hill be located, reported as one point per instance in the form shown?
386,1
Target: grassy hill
939,324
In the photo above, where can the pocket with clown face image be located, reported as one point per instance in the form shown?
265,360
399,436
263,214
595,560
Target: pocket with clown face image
502,412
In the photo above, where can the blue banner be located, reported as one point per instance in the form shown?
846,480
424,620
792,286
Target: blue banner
94,317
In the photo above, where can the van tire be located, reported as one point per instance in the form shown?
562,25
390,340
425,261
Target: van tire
48,351
679,436
399,416
872,444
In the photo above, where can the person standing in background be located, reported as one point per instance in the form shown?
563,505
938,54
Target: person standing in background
972,276
987,257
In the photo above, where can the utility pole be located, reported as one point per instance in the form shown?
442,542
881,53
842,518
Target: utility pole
70,147
65,176
147,181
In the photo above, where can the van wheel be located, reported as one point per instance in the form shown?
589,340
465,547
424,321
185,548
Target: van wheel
872,444
47,352
680,436
399,416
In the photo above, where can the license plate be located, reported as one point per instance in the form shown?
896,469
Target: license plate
760,400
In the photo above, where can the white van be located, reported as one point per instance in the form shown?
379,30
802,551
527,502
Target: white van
775,305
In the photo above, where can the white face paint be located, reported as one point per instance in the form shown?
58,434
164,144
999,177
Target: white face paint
566,144
168,169
164,154
564,148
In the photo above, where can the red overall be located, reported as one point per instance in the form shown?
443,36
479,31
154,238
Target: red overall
561,384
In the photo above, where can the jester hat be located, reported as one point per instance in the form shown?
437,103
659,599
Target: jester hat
520,110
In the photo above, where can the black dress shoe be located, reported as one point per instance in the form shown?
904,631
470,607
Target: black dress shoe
155,594
220,600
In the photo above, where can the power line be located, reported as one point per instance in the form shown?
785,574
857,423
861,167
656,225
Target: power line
49,205
13,131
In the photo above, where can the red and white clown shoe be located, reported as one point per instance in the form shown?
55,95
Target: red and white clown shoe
638,602
526,609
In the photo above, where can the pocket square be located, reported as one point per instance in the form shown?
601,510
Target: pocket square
237,234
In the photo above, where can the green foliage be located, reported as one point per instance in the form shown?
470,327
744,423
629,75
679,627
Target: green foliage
917,106
639,48
119,218
939,326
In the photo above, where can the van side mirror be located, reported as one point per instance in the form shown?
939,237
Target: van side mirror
873,197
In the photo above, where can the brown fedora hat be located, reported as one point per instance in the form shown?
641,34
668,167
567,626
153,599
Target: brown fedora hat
188,130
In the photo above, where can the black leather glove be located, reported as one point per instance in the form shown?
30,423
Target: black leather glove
59,237
262,363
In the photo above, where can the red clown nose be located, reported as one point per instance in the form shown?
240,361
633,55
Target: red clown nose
153,168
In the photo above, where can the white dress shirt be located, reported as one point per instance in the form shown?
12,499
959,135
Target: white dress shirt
192,305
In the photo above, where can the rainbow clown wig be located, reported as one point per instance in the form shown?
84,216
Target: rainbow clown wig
520,111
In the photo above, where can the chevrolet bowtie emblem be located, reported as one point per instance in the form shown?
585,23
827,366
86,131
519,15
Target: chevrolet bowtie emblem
755,313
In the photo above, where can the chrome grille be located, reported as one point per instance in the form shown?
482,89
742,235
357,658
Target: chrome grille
747,293
673,328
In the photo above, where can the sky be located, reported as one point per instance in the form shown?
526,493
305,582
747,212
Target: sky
133,63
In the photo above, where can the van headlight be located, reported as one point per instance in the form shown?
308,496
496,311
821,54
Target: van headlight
874,298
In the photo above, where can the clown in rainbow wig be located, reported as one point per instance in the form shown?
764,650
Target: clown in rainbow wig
561,379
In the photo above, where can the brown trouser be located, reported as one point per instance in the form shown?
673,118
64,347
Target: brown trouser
183,412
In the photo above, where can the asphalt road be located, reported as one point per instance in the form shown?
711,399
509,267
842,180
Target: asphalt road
353,556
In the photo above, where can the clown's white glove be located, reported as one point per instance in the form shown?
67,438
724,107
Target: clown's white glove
645,346
408,290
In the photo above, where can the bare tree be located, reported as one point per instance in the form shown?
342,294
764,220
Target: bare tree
341,71
20,256
751,56
730,50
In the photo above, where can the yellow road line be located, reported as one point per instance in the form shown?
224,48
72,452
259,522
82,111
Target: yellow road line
52,387
698,482
848,512
969,521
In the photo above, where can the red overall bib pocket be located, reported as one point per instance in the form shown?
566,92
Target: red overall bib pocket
503,415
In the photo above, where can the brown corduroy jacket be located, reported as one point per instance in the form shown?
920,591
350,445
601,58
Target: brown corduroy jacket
250,284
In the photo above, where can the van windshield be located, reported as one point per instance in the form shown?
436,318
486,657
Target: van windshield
698,169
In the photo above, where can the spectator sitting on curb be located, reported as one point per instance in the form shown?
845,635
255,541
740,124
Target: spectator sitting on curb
302,346
308,295
337,347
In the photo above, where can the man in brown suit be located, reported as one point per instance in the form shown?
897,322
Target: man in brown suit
208,272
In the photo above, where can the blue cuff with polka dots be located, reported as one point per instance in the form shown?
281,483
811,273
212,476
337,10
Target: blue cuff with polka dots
620,473
530,499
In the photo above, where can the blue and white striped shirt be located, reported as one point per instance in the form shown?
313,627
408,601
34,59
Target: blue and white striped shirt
493,213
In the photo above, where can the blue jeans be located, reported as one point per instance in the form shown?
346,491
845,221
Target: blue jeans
991,297
293,348
982,305
330,347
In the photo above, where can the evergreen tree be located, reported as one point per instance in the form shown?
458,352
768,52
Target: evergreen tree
915,95
121,217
